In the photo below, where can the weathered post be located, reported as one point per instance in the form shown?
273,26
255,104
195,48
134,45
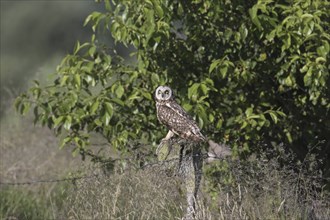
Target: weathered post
188,165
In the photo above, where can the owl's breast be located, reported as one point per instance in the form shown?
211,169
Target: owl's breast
162,113
171,119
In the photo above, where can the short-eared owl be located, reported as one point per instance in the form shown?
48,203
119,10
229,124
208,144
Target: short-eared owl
171,114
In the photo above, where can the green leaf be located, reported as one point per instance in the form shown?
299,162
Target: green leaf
155,78
58,120
159,11
320,60
98,122
109,109
213,65
219,124
65,141
306,16
192,91
211,118
67,123
77,80
200,122
308,77
25,107
223,71
94,107
119,91
114,27
288,81
118,101
202,113
106,118
254,116
108,5
134,96
204,88
186,106
254,17
288,136
64,80
248,112
274,117
76,48
244,125
91,51
147,95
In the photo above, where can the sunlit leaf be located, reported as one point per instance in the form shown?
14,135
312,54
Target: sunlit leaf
94,107
274,117
119,91
58,120
67,122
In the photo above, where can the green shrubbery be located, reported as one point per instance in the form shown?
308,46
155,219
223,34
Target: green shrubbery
250,72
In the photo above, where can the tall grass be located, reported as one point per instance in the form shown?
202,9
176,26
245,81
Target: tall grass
260,188
271,185
264,190
130,195
29,153
26,203
20,204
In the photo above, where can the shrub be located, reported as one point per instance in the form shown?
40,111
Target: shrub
250,71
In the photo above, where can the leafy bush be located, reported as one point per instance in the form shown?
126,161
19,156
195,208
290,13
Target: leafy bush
250,71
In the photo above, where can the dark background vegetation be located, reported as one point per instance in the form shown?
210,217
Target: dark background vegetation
284,170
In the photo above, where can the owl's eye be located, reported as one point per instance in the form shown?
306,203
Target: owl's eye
167,92
159,92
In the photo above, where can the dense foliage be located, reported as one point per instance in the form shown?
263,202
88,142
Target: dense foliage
251,72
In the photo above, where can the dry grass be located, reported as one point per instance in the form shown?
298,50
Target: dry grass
129,195
260,189
266,188
29,153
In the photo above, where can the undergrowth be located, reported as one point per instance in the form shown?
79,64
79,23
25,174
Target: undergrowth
21,204
263,187
258,189
270,185
27,203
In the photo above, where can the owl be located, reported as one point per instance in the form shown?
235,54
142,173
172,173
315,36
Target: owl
174,117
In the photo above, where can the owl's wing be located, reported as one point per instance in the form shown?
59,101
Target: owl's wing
182,124
174,106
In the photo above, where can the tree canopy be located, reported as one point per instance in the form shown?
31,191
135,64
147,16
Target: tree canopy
253,73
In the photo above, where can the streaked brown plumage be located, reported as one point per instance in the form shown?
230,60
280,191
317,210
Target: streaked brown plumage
174,117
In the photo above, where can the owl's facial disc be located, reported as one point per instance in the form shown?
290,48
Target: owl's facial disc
163,93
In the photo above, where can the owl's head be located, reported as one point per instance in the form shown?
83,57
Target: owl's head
163,93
